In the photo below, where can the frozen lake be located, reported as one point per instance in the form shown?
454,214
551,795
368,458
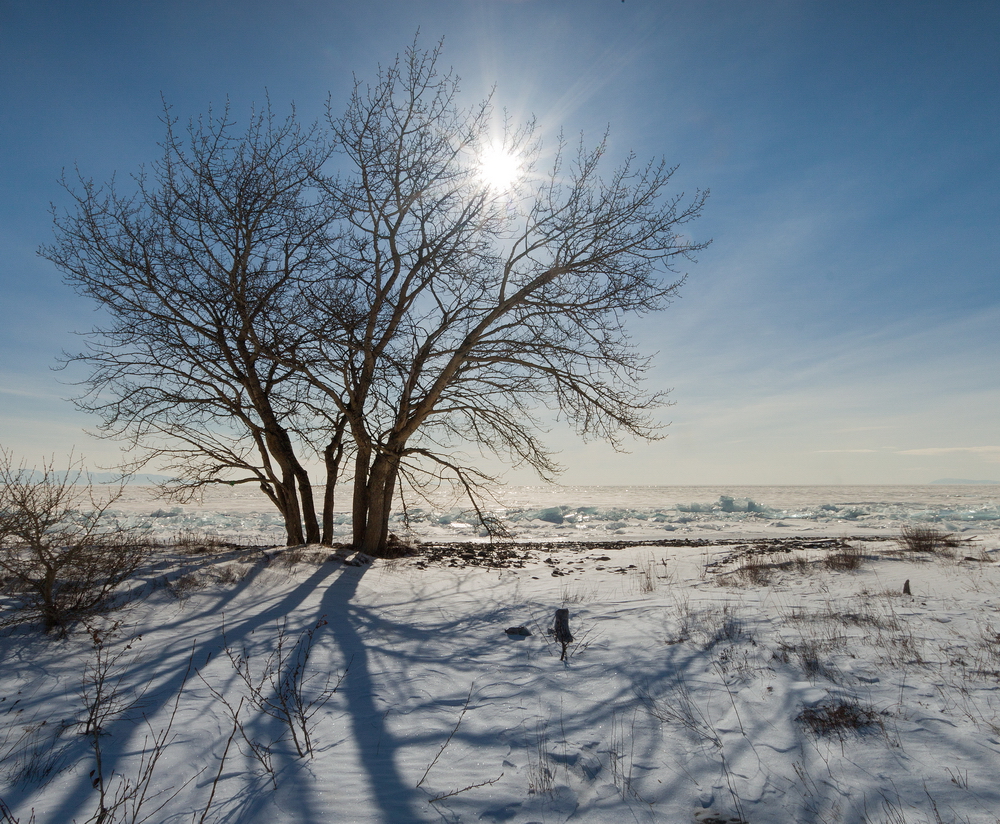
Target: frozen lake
604,512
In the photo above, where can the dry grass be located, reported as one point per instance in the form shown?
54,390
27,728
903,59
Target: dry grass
811,649
759,569
928,539
650,574
848,559
717,626
755,569
221,575
228,574
198,542
293,556
182,587
841,716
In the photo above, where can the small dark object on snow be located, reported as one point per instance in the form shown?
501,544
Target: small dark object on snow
561,631
906,587
518,632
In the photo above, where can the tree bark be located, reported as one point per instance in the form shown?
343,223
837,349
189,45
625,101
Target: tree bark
290,509
379,491
332,456
312,534
361,497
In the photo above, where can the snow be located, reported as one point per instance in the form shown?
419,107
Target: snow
556,513
739,677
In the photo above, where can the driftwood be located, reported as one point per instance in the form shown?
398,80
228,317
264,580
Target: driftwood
561,631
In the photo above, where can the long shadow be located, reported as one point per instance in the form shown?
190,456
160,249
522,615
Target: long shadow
377,747
174,662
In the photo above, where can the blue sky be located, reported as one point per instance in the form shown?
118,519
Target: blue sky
843,327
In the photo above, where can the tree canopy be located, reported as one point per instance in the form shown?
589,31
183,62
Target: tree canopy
375,291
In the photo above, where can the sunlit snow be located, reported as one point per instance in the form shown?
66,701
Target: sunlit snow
731,668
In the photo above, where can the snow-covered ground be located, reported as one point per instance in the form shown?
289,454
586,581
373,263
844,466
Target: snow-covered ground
750,675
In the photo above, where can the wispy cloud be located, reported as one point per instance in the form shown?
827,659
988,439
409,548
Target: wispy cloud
28,393
991,453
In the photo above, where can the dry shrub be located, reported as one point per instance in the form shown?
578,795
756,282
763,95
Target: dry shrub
197,542
183,586
847,559
928,539
302,555
397,547
62,554
230,573
811,648
722,626
841,716
754,570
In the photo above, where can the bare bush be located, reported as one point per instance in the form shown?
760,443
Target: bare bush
102,685
61,554
281,688
847,559
755,569
928,539
199,542
134,797
650,573
841,716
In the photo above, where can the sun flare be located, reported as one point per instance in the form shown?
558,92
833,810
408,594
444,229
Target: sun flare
498,169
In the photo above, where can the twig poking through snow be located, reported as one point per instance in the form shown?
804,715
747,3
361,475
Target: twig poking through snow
447,741
470,787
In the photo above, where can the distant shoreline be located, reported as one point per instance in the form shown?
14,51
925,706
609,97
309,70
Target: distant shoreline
964,482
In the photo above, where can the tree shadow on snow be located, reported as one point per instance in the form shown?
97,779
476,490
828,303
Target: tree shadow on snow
163,673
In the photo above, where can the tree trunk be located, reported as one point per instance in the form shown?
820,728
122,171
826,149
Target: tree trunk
380,487
388,491
290,509
361,497
280,497
308,505
331,457
50,611
293,476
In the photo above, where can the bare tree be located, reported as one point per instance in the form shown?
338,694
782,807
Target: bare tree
464,305
60,553
195,269
408,307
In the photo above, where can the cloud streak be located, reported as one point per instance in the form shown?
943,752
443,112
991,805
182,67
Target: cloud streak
991,453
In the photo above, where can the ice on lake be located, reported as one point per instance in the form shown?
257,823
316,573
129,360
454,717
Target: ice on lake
594,513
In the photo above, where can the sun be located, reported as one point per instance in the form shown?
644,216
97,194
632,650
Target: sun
498,169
